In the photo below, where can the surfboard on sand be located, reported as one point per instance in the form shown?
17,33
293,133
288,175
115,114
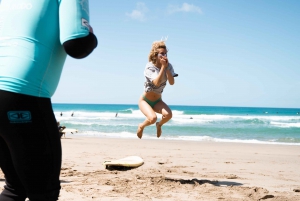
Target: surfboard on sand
130,161
69,130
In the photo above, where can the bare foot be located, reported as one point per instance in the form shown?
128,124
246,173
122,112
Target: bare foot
139,132
158,128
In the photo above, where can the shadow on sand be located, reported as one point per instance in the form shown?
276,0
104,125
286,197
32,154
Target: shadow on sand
204,181
119,168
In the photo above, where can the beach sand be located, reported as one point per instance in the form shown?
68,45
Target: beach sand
178,170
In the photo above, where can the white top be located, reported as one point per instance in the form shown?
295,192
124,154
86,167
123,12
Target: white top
151,72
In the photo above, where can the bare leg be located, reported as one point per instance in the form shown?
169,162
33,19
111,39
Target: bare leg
158,129
162,108
141,127
151,118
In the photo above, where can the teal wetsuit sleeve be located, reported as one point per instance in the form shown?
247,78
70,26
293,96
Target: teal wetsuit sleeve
73,19
75,33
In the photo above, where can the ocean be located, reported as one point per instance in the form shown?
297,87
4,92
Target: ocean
194,123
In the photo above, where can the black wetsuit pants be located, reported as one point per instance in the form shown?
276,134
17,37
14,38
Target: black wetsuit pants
30,148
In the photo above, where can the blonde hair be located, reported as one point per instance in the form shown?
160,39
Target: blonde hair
154,50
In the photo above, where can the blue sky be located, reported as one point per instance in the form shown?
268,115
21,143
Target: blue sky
227,53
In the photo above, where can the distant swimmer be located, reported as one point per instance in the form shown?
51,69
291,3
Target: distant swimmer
191,117
61,114
116,114
72,114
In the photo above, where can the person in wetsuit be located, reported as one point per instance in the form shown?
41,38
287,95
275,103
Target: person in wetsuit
60,129
35,38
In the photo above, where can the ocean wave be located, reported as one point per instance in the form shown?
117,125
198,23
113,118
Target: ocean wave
95,123
180,120
211,119
108,135
286,125
130,111
290,141
97,115
177,112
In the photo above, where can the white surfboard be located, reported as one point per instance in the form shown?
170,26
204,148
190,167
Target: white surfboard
69,130
130,161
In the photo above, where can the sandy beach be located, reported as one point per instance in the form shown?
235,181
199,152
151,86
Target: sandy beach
178,170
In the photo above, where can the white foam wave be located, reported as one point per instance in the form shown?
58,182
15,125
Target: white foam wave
90,123
248,117
176,113
189,120
178,117
285,125
129,109
108,135
201,119
182,138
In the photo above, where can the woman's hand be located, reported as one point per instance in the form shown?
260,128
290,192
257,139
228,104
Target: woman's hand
164,62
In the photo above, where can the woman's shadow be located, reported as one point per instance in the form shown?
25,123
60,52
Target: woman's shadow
204,181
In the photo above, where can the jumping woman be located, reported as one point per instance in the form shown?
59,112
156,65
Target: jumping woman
157,72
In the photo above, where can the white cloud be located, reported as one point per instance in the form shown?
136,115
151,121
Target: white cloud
184,8
139,12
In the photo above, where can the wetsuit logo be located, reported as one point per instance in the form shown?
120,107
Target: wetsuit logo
85,23
19,116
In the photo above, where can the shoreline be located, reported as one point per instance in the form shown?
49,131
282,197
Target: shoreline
178,170
213,140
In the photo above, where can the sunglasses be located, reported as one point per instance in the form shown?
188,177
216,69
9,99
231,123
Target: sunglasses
162,54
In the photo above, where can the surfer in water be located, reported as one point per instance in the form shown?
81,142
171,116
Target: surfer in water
157,72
